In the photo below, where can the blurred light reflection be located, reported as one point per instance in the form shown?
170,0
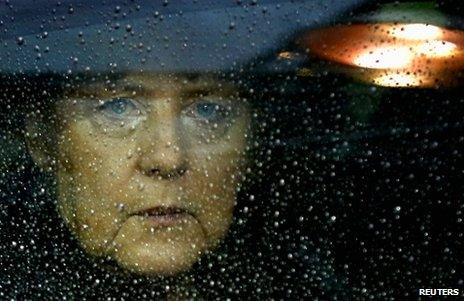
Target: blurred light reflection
417,32
407,55
400,80
437,48
385,57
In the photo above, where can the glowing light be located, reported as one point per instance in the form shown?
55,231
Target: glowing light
391,57
417,32
391,54
286,55
437,48
305,72
400,80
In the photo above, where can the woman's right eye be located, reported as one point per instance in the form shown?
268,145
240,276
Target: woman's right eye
119,107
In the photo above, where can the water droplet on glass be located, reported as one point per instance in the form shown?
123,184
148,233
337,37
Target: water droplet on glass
20,41
120,207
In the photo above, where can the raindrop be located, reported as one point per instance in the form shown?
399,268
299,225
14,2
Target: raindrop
20,41
120,207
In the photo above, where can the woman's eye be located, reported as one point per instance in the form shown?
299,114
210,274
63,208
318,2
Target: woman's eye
209,111
118,107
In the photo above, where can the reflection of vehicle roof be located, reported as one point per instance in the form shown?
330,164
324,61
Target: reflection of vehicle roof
150,35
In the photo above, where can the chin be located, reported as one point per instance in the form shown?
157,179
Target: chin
155,265
163,251
163,261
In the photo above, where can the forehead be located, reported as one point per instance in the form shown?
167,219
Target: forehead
153,85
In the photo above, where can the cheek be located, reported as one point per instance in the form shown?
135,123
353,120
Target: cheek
91,170
212,191
215,174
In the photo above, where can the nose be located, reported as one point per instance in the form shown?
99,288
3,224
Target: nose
162,154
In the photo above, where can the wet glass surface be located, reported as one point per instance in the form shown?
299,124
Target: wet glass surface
200,150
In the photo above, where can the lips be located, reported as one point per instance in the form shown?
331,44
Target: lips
164,216
160,210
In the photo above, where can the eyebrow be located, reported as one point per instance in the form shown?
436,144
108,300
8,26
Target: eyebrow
140,90
100,89
190,90
207,86
194,92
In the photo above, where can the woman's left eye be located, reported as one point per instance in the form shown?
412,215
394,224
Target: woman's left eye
209,111
118,107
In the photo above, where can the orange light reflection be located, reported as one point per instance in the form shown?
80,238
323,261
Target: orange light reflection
401,80
385,57
406,55
417,31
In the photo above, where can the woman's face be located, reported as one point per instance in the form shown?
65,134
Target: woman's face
148,167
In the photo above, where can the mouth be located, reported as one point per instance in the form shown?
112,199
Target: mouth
164,216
